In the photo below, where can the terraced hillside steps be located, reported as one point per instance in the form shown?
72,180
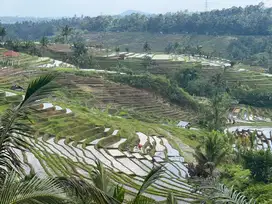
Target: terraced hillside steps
68,144
105,93
52,157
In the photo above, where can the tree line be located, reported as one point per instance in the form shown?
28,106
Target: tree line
251,20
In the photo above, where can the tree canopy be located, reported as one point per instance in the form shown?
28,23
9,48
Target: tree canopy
232,21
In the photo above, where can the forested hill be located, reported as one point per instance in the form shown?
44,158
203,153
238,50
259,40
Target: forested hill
251,20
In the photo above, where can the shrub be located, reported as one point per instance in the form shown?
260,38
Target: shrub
260,164
236,176
262,192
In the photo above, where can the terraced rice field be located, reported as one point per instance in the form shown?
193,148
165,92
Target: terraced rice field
249,78
71,138
216,62
28,61
61,157
105,93
73,152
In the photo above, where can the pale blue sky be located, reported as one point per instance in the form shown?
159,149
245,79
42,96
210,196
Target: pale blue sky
57,8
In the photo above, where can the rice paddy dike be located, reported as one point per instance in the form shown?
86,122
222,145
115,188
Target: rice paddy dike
91,118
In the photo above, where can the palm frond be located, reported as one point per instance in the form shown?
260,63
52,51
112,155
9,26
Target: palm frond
222,194
14,124
142,200
119,193
38,89
85,192
100,177
33,191
152,176
171,199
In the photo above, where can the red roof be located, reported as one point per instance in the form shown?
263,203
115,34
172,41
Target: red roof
11,53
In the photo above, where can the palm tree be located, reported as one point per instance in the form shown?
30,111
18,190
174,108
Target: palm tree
14,126
36,190
66,31
117,50
146,47
44,42
211,152
13,130
3,33
199,50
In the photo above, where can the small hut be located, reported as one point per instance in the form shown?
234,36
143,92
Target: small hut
11,53
184,124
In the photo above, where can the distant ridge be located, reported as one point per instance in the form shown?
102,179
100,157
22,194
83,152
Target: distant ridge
129,12
17,19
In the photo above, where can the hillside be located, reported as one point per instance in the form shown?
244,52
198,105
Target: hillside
128,121
171,108
71,134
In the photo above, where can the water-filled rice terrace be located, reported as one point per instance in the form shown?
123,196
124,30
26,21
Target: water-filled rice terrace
70,138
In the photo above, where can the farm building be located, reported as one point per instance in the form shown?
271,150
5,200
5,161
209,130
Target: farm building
10,57
184,124
11,53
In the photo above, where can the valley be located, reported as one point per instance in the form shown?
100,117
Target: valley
169,108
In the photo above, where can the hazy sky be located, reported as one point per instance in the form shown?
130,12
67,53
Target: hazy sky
57,8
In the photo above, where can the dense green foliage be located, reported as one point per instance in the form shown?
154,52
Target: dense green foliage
259,163
256,97
209,155
236,21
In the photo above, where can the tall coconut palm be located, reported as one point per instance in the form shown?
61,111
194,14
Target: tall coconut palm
146,47
117,51
3,33
44,43
14,126
66,31
36,190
